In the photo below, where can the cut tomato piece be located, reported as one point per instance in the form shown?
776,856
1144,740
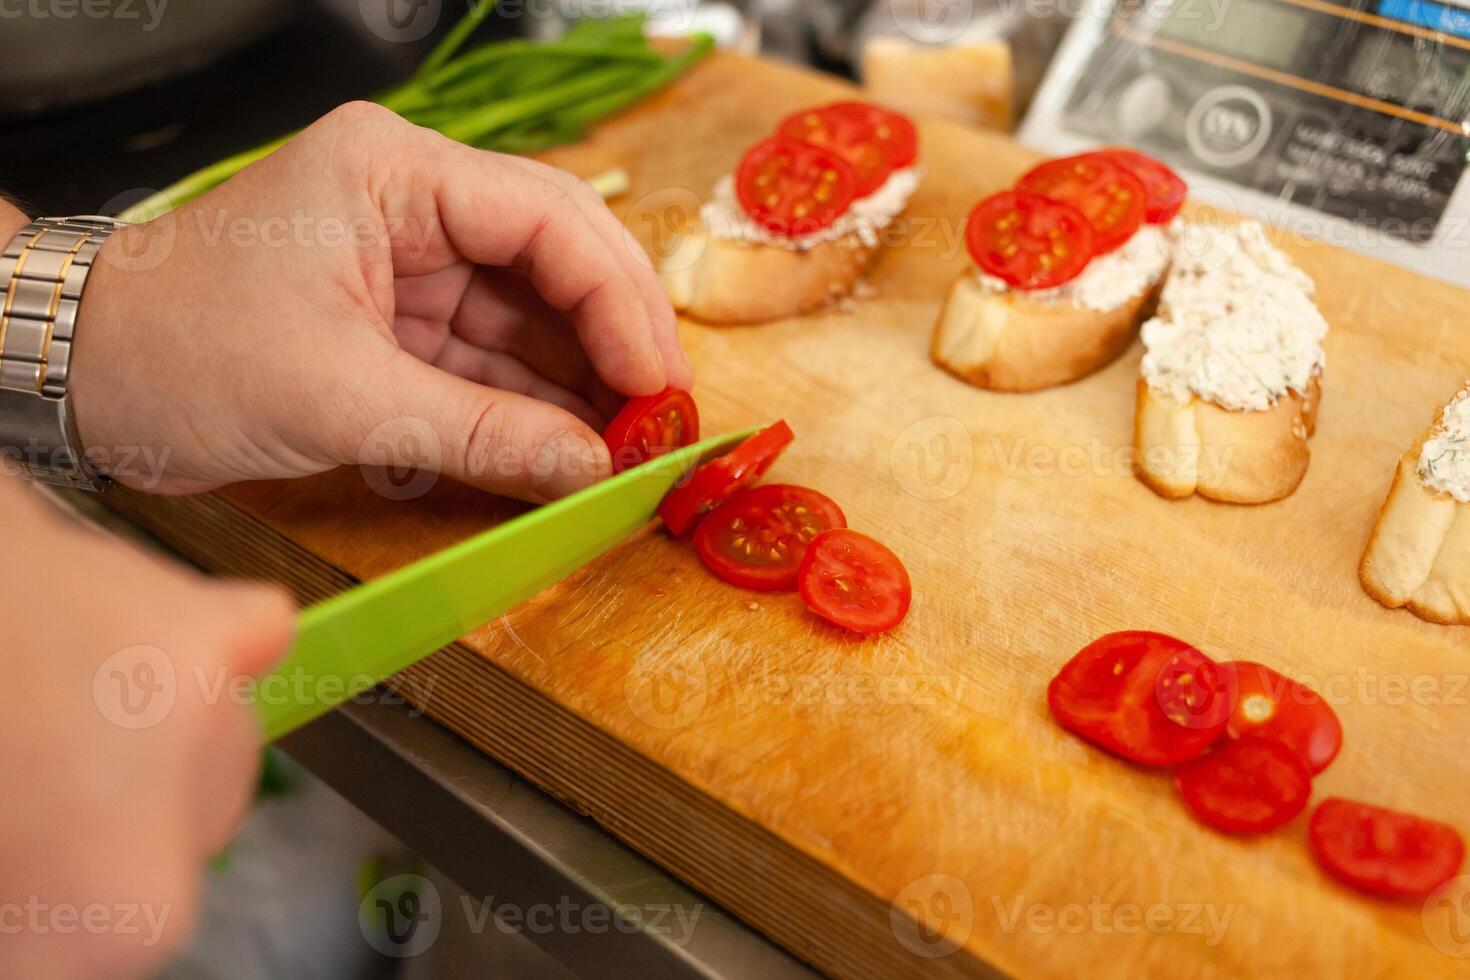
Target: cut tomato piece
651,426
719,479
1029,241
1145,696
794,188
1273,706
1111,198
1384,852
854,582
894,130
758,537
1163,189
852,136
1248,786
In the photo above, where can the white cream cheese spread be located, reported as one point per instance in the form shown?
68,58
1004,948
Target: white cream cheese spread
1109,280
1236,324
1444,462
866,219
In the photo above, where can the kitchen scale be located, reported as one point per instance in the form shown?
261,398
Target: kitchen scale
1342,121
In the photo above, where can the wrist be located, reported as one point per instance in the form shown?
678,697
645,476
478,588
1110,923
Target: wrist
12,220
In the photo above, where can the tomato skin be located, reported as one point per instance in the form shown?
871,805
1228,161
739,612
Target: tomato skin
1147,697
1247,786
1384,852
1270,705
719,479
895,130
794,188
1029,241
1108,195
854,582
758,538
1163,189
650,426
853,137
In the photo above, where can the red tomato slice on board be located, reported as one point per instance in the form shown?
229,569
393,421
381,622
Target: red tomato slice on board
1147,697
794,188
849,135
758,537
1163,189
1029,241
1248,786
854,582
1384,852
651,426
719,479
1112,199
895,131
1273,706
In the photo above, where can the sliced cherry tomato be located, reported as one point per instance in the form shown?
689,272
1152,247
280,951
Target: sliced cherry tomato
719,479
758,537
849,135
854,582
894,130
1029,241
1272,706
794,188
1144,696
651,426
1112,199
1384,852
1248,786
1163,189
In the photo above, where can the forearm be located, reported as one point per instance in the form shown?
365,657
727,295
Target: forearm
12,219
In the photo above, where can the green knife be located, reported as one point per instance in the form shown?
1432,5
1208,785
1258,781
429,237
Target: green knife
352,641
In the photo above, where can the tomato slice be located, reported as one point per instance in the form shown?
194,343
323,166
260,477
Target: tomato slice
1145,696
894,130
651,426
1384,852
851,136
794,188
854,582
1029,241
719,479
1273,706
1112,199
1163,189
758,537
1248,786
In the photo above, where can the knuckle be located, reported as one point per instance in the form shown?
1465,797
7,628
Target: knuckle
492,434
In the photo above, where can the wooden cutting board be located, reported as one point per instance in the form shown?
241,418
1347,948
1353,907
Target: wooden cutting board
833,791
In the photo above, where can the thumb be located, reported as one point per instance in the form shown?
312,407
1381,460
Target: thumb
262,621
495,440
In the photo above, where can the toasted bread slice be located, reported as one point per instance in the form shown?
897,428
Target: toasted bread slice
973,83
1008,341
725,282
1184,448
1419,553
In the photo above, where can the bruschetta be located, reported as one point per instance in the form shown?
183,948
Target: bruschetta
800,220
1232,370
1067,265
1419,553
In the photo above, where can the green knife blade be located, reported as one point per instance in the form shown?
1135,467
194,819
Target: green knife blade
352,641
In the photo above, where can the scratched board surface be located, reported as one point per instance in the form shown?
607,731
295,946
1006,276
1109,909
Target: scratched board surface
831,790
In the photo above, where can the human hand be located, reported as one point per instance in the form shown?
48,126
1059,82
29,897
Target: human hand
373,282
128,763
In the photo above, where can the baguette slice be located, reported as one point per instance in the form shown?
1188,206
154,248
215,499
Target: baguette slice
725,282
1233,457
1419,553
1007,341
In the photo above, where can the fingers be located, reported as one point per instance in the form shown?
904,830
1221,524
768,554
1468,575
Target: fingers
499,441
496,370
263,621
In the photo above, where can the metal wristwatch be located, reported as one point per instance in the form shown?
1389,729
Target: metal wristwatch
42,272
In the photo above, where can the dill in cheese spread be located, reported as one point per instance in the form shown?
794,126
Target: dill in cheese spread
1444,462
1236,324
1109,280
866,218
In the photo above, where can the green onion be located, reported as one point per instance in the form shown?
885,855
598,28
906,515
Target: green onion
513,96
